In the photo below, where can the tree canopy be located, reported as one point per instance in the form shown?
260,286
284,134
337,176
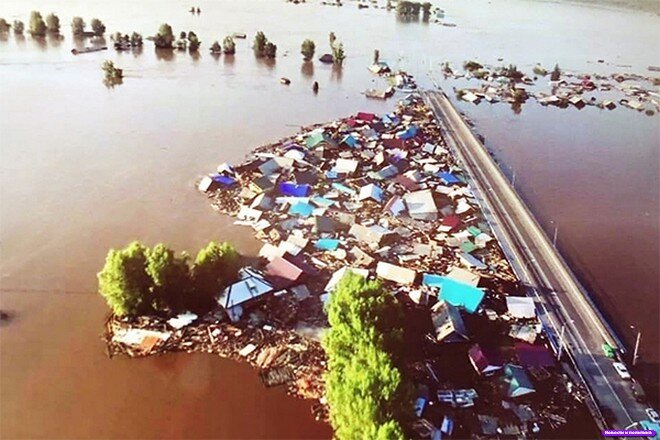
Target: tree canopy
78,25
228,45
165,37
139,280
307,49
4,25
367,394
19,27
97,27
53,23
37,24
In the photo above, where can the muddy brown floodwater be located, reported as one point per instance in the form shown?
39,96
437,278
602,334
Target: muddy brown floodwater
86,168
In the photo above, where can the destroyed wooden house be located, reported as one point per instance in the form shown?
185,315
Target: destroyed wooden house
250,288
516,382
448,324
485,360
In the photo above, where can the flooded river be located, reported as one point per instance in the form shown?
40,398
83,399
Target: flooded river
85,168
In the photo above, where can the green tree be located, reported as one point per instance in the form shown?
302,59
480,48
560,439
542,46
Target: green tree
4,26
270,51
216,47
53,23
170,276
259,45
111,71
367,394
215,266
124,281
338,54
193,41
136,40
307,49
165,37
97,27
228,45
18,27
78,25
37,24
555,74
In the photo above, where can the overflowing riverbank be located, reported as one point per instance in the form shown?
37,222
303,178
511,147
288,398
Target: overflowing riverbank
380,196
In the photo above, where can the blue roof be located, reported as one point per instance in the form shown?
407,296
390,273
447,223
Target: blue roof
223,180
322,201
327,244
343,188
409,133
349,140
448,178
294,189
454,292
302,209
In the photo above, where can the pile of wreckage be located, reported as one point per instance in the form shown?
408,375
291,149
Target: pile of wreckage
573,90
282,357
382,197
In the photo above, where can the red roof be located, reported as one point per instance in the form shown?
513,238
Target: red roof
534,355
451,221
283,273
394,143
366,116
482,358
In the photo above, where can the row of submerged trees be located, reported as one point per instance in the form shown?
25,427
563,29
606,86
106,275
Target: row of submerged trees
39,27
410,10
139,280
367,393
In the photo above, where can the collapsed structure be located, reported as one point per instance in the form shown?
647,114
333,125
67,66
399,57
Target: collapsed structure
380,196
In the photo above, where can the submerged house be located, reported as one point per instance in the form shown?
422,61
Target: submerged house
250,287
448,323
516,382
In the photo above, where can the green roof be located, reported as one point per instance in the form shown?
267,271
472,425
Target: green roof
468,246
474,230
314,139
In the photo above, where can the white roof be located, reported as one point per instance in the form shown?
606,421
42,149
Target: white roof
395,273
421,205
251,285
346,165
464,276
338,275
521,306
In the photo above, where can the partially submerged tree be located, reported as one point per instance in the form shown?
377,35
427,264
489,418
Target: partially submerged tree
426,10
338,54
259,45
216,47
18,27
367,394
332,38
307,49
193,41
136,40
111,71
555,74
53,23
228,45
376,56
472,65
539,70
165,37
4,26
97,27
270,51
78,26
37,24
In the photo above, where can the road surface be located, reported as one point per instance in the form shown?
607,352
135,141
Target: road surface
562,303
